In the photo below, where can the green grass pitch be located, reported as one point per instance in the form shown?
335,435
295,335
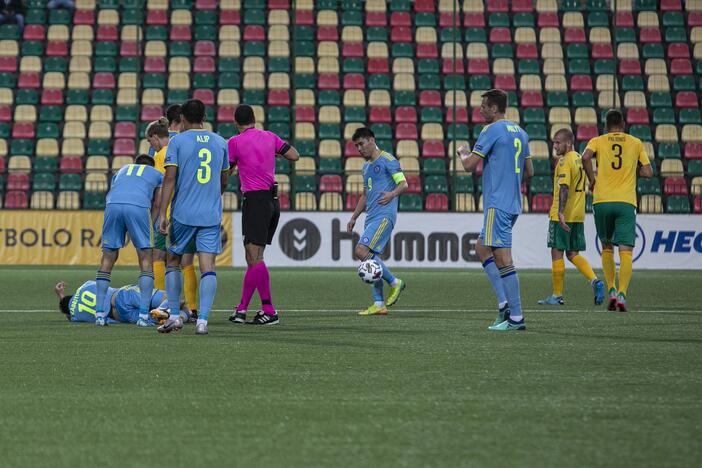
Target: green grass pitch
426,386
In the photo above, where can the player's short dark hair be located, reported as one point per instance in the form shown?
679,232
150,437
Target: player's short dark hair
158,127
244,115
64,303
174,113
145,159
568,134
614,118
363,132
194,111
496,97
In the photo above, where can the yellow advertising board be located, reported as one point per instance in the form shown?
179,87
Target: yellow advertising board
70,238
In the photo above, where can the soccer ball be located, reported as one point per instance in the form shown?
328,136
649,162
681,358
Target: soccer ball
370,271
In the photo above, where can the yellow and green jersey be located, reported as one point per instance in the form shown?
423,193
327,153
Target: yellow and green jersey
569,172
618,156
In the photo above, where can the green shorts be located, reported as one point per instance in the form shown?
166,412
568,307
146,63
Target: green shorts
160,243
559,239
616,223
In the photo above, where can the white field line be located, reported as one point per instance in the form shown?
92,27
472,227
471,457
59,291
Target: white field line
565,311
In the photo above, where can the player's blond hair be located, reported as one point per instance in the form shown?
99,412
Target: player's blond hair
158,127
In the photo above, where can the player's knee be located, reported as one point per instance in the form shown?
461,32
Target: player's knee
361,252
571,255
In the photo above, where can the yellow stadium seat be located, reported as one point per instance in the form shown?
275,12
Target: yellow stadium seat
465,202
80,64
152,97
352,34
409,165
304,65
68,200
58,32
353,165
327,18
329,149
555,83
100,130
525,36
550,35
503,66
101,113
512,114
449,50
469,6
6,97
72,147
97,164
354,98
691,133
127,80
78,80
283,183
82,32
655,67
530,83
304,97
350,128
259,114
75,130
25,113
559,115
254,65
228,97
305,166
236,4
650,204
457,96
278,81
253,81
628,51
377,50
305,202
155,49
551,50
76,113
29,64
407,149
230,201
85,4
554,66
329,114
697,51
179,81
108,18
131,33
330,202
432,131
157,5
376,5
95,182
82,48
696,186
403,65
305,131
538,149
573,19
179,65
144,146
354,182
585,115
424,35
229,49
647,19
658,83
127,97
666,133
403,82
120,161
328,49
605,83
546,6
181,18
476,50
476,98
3,147
379,98
606,100
693,5
328,65
279,48
47,147
278,18
672,168
19,164
229,32
648,147
600,36
42,201
635,99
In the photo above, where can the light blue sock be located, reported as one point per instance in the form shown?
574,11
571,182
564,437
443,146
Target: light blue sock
102,283
377,289
511,284
387,275
493,275
146,286
208,288
174,284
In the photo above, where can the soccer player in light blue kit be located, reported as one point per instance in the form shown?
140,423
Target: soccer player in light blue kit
504,148
383,182
135,190
196,165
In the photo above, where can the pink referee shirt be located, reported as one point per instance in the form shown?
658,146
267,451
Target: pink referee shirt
254,151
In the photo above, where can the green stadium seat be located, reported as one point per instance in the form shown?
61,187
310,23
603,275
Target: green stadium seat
398,5
329,97
376,81
648,186
229,64
60,16
694,168
579,67
103,96
5,130
282,129
181,4
450,35
55,64
675,34
476,131
32,48
177,96
523,20
93,201
698,71
475,35
679,204
135,4
673,18
684,83
205,32
154,81
303,34
534,115
22,146
51,114
232,184
604,67
46,164
203,81
209,114
353,65
399,50
431,115
278,114
183,49
663,115
583,99
355,114
649,51
597,5
536,131
376,34
540,184
99,147
502,51
108,4
156,33
9,31
70,182
624,35
458,132
351,18
632,83
304,81
428,82
304,184
210,17
660,99
479,82
385,145
571,5
330,166
642,132
105,49
229,81
321,5
434,166
127,114
689,116
577,51
35,16
48,130
436,183
44,181
282,166
597,19
454,82
227,130
129,65
669,151
278,65
133,17
528,67
254,97
306,147
463,184
26,96
404,98
425,19
8,80
542,167
427,66
410,202
329,132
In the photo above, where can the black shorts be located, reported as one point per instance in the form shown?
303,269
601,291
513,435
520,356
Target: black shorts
260,213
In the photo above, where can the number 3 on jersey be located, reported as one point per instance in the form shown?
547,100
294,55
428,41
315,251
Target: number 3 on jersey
204,172
518,145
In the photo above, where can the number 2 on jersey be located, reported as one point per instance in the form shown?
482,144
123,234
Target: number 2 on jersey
518,145
204,172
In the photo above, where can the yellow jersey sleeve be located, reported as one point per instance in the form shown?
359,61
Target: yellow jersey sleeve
561,176
643,157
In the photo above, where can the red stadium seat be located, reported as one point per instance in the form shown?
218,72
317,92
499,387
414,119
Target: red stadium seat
429,50
125,130
284,201
328,81
694,18
497,6
401,34
378,65
330,183
541,203
406,114
693,150
304,18
353,50
670,5
527,51
34,32
351,201
278,97
29,81
406,131
71,165
5,113
129,49
686,99
52,97
681,66
586,132
675,186
84,17
580,83
452,67
124,147
433,149
207,5
477,67
376,18
471,20
414,183
181,33
380,115
678,50
476,117
637,116
649,35
205,95
429,98
324,33
225,114
16,200
436,202
204,64
500,36
602,51
305,114
461,115
548,20
697,204
17,181
155,65
574,36
205,49
157,17
424,6
532,99
232,17
57,49
107,33
8,64
104,80
150,113
401,18
254,33
278,4
506,82
522,6
350,150
629,67
354,81
624,19
2,164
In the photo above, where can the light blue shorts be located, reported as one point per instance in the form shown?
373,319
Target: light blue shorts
376,234
208,239
120,219
128,300
497,228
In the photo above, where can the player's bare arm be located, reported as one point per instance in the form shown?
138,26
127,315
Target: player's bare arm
469,160
562,201
646,171
291,154
589,170
388,196
360,207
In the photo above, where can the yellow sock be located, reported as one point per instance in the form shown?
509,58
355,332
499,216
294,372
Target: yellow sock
625,268
557,276
609,268
190,286
160,275
583,267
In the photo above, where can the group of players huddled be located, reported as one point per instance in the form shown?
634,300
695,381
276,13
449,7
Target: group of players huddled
169,201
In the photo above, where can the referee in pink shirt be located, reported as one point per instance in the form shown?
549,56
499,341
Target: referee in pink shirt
254,152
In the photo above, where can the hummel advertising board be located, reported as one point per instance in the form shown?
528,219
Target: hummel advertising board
314,239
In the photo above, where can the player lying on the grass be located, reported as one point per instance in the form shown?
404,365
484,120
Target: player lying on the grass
566,229
122,305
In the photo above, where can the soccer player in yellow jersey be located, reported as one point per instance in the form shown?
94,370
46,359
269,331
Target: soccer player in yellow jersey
619,156
566,231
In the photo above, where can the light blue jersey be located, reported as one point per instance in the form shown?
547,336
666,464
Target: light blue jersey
127,301
82,305
381,175
200,156
504,146
134,184
152,151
